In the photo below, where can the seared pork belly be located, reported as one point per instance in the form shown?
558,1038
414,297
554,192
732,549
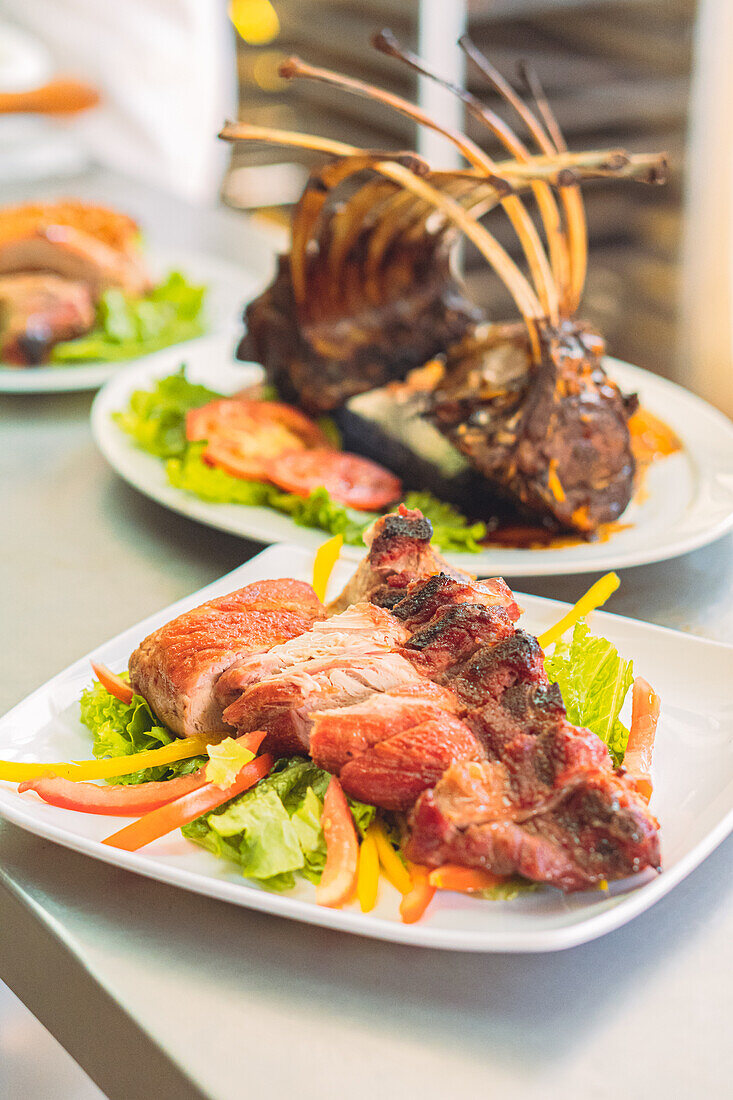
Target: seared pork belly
176,667
359,631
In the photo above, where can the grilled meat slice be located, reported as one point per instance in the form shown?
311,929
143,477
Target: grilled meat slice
343,734
283,704
424,600
390,747
75,240
399,554
176,667
394,772
590,828
492,669
553,437
456,635
39,310
360,631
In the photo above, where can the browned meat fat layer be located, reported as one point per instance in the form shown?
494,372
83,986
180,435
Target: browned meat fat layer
176,667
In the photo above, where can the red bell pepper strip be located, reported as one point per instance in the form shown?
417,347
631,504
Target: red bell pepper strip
115,801
338,880
183,810
123,800
114,684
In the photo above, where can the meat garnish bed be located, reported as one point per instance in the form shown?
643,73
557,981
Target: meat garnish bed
417,689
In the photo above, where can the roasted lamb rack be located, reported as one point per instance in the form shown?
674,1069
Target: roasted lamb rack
417,689
367,293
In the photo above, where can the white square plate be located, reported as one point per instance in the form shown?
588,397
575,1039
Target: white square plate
693,789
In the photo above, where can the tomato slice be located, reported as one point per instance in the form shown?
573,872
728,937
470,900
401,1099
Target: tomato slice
242,435
350,479
180,812
114,684
342,849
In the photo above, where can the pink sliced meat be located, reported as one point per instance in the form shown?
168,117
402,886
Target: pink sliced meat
284,703
360,631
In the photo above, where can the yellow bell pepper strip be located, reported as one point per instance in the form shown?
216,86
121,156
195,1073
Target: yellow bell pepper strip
367,878
342,849
79,770
134,800
326,557
114,684
595,597
392,865
421,893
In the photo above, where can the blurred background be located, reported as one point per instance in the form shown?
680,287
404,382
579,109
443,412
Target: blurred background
616,73
643,74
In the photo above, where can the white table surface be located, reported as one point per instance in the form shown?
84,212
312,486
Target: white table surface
159,993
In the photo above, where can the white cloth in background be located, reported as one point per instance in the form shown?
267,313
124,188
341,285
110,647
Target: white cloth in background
167,72
706,339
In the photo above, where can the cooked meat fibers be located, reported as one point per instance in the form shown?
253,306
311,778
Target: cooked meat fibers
39,310
283,703
176,667
360,631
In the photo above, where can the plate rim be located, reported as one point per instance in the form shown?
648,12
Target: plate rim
612,914
119,452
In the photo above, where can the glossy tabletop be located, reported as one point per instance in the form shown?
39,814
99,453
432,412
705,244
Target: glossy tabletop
161,993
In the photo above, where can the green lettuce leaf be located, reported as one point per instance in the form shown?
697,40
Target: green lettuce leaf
129,326
121,729
274,830
156,419
594,681
514,887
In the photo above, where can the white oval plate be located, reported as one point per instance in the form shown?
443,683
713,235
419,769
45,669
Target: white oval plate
229,285
692,773
688,499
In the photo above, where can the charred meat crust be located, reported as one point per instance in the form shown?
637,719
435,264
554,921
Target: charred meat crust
554,437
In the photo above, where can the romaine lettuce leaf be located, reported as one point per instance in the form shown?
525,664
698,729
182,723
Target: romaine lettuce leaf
129,326
594,681
274,830
121,729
